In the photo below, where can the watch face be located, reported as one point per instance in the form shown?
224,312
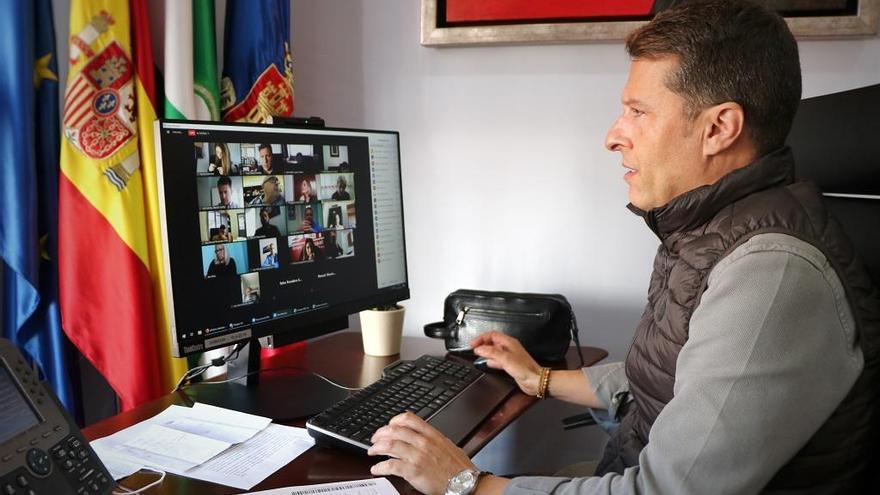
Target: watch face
462,482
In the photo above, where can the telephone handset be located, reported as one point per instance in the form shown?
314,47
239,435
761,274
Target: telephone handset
41,449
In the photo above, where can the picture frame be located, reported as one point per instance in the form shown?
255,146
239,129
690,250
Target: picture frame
806,19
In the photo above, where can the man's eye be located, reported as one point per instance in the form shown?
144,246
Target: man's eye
636,112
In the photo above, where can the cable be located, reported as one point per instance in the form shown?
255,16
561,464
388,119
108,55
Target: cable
331,382
198,370
129,491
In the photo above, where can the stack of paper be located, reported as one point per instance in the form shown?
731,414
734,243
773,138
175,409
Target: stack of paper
204,442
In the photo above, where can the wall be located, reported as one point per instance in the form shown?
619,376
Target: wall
517,129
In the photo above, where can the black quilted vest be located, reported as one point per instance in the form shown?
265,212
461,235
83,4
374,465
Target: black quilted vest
697,230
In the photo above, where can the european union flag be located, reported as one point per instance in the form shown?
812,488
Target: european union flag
29,165
257,78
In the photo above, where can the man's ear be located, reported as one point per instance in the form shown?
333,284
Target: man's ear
724,126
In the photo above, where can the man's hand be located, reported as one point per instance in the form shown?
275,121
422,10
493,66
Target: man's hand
506,353
419,454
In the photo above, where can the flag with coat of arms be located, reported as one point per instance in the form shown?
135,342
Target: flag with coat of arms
257,80
110,261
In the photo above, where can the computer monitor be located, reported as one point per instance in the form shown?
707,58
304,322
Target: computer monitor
273,230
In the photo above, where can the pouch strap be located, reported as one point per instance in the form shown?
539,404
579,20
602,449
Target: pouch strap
574,336
438,330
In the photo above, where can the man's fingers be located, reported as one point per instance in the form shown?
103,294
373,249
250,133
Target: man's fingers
411,421
395,448
491,338
391,467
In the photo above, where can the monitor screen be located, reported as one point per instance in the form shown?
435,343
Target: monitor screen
270,230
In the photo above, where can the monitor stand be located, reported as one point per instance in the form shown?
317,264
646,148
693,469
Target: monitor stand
283,396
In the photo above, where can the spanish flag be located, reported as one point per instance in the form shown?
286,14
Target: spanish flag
110,267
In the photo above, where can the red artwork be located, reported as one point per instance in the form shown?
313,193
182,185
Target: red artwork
530,10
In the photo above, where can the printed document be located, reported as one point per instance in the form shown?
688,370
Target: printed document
374,486
204,442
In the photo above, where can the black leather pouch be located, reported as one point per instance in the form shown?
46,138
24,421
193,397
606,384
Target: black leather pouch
543,323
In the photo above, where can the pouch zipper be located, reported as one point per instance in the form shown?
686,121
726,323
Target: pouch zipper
498,312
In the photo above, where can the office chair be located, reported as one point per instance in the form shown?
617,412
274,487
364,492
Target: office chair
842,156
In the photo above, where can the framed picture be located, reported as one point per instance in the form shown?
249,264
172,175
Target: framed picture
334,150
470,22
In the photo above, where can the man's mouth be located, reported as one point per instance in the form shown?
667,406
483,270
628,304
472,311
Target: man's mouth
630,172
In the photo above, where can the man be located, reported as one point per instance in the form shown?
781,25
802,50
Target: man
271,259
222,265
309,223
222,234
266,229
267,160
224,190
754,366
271,194
341,194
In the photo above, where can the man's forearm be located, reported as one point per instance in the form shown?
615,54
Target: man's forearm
491,485
573,386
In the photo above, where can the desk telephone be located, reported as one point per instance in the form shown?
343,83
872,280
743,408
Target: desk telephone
41,449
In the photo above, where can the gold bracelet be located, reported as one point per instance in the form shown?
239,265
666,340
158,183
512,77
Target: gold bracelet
544,383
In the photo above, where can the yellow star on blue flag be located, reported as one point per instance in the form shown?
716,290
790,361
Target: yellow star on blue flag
43,71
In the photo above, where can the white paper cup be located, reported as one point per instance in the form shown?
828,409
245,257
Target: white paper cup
382,331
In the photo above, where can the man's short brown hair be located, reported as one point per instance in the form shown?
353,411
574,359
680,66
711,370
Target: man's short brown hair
729,50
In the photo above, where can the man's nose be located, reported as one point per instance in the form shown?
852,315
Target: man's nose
615,139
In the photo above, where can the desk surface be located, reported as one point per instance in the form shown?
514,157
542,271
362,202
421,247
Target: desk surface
323,465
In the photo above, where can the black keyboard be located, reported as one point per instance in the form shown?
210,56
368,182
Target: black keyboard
429,386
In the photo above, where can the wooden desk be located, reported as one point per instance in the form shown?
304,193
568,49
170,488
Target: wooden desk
339,357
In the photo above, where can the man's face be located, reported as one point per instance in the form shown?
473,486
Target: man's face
264,217
225,193
220,253
660,146
266,157
270,190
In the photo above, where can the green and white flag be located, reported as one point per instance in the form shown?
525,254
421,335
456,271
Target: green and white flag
192,89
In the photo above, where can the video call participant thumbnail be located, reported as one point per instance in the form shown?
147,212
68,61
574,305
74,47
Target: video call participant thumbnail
310,222
304,188
270,193
334,218
341,194
306,248
250,288
219,260
301,158
336,187
269,163
266,229
225,193
336,158
219,192
332,249
269,253
221,161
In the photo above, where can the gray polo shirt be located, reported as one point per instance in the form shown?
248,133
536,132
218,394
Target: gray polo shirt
771,354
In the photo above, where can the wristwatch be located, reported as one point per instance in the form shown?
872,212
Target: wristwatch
464,482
